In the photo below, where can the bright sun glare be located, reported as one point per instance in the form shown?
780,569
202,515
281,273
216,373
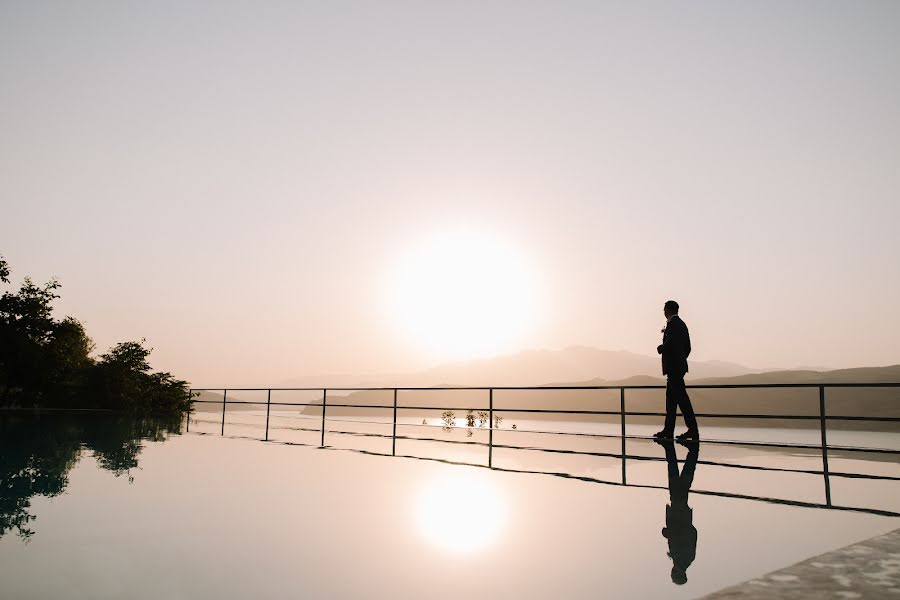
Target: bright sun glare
460,511
462,294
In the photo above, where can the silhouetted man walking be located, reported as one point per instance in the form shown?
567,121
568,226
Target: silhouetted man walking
675,349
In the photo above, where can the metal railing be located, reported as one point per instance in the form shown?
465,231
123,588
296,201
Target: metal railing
822,417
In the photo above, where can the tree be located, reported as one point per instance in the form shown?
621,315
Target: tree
121,372
46,362
67,360
122,378
26,325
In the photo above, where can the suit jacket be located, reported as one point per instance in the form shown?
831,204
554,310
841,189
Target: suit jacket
682,535
676,348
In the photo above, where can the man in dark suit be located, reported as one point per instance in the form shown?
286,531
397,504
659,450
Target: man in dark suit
675,349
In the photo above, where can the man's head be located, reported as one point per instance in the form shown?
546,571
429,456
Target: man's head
679,576
670,308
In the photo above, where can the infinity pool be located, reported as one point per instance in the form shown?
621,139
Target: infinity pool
102,507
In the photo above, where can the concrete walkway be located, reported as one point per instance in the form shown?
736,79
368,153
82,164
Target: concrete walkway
869,569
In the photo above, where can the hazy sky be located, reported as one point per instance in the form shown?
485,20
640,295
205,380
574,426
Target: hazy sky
237,181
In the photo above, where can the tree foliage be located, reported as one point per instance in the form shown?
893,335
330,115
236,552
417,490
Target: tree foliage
48,362
122,379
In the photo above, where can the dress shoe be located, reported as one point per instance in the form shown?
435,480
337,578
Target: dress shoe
663,435
689,436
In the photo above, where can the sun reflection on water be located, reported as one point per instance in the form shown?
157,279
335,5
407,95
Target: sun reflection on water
460,511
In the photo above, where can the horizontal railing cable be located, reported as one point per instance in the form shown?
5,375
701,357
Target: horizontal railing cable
340,399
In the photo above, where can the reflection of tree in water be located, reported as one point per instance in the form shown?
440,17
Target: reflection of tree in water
448,420
40,450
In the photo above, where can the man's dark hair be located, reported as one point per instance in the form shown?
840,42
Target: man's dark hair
671,305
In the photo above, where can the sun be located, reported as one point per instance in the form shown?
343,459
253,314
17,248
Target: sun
462,294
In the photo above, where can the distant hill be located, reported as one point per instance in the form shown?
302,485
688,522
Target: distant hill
853,402
888,374
776,401
536,367
211,401
528,368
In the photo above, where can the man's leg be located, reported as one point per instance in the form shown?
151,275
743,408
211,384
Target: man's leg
671,404
684,403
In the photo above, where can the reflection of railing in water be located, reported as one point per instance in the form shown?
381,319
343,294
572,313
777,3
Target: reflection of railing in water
822,417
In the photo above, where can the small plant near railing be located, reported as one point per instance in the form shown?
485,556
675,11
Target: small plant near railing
448,419
474,420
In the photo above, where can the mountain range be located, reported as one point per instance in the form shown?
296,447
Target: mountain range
840,401
527,368
580,366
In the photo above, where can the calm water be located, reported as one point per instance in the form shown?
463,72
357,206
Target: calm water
103,507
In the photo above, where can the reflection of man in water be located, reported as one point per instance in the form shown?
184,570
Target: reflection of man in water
679,529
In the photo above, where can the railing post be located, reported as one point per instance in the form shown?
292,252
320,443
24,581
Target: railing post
491,428
822,422
394,435
224,401
187,426
324,400
622,413
268,407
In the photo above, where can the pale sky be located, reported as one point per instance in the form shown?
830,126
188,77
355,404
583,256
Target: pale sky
239,182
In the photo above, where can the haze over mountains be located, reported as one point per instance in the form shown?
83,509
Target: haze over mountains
582,366
528,368
855,402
